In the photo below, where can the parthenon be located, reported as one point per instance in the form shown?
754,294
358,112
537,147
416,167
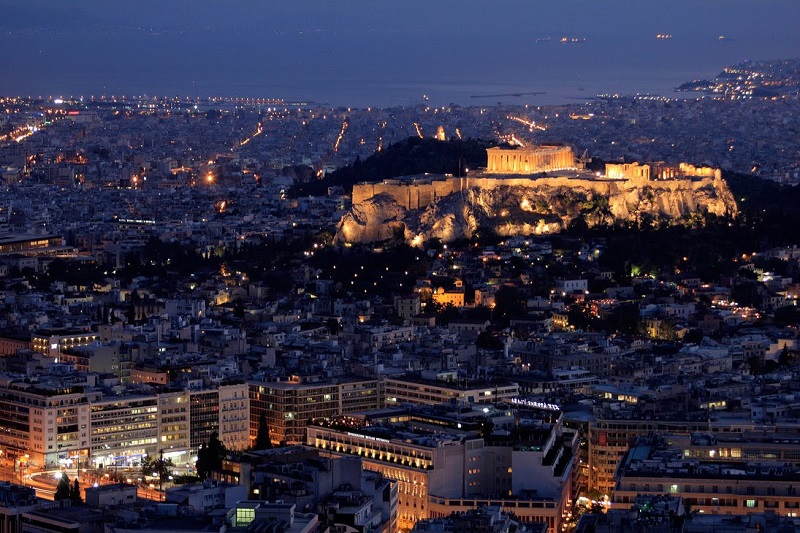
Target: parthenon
529,160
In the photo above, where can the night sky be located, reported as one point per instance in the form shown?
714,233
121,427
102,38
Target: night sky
732,16
380,51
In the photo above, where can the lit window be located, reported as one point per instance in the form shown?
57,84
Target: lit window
244,517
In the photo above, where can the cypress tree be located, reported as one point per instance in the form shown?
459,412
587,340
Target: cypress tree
75,492
63,491
262,437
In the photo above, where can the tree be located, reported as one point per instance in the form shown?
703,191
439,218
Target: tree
161,468
593,495
488,341
263,441
508,303
577,318
445,313
147,465
479,312
785,316
75,492
693,336
486,427
785,358
624,319
746,294
130,314
63,491
333,326
209,457
238,309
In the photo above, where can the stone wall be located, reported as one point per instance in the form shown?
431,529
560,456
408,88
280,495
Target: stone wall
420,192
413,193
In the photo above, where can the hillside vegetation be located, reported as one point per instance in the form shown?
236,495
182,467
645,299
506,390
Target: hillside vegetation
405,158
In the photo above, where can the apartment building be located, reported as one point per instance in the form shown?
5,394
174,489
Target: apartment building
289,405
751,474
67,419
431,388
612,431
123,429
44,423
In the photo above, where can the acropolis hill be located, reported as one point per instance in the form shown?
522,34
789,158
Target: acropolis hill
531,190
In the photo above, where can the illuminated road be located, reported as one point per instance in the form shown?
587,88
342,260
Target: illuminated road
532,125
46,483
340,136
259,131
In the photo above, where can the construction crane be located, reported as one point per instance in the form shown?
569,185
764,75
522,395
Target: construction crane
584,159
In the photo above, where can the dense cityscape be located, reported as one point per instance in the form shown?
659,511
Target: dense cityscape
193,338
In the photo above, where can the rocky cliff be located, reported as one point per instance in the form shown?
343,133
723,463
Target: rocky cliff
533,206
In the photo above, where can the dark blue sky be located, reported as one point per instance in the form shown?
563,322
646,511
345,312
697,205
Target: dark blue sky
691,16
379,51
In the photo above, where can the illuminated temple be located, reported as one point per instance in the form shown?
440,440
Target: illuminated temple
529,160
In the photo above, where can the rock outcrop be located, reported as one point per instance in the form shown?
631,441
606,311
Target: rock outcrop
376,219
529,206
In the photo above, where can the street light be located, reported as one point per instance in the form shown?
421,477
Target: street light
23,465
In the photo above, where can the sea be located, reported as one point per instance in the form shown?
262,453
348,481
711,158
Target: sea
379,68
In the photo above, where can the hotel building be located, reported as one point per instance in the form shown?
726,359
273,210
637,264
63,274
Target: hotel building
442,464
225,410
52,342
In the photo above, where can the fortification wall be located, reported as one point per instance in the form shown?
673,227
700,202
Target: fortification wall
418,192
422,195
399,192
362,192
705,172
599,186
442,188
410,194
